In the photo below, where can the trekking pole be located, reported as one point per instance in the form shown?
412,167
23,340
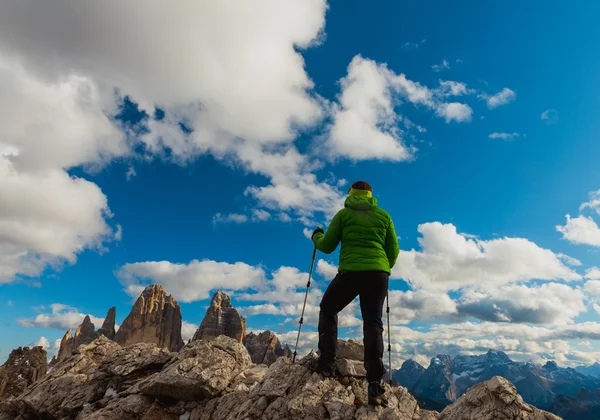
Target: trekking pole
389,335
312,264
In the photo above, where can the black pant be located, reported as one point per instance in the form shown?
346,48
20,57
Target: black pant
371,287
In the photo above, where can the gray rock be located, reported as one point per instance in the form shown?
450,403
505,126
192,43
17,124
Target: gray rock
202,369
23,367
354,368
350,349
486,400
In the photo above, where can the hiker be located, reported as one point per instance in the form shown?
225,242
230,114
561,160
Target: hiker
369,250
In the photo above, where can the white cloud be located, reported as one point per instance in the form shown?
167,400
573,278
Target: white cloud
130,173
593,273
326,269
504,136
452,88
365,123
550,303
420,305
43,342
229,218
187,331
61,317
189,282
259,215
503,97
441,67
569,260
307,233
448,260
593,203
580,230
455,111
550,116
51,348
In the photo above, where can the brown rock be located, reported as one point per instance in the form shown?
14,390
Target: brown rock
155,318
287,352
263,348
24,367
494,399
221,319
85,333
350,349
66,346
108,327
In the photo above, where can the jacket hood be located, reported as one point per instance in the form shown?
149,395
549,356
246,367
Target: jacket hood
358,202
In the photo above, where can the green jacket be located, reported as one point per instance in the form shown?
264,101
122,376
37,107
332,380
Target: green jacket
369,241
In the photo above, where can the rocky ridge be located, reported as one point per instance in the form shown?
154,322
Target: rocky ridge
264,348
216,379
85,334
23,367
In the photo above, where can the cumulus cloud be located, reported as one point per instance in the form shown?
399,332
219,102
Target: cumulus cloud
187,331
259,215
503,97
550,116
580,230
189,282
449,260
452,88
51,348
593,273
504,136
550,303
61,317
365,121
326,269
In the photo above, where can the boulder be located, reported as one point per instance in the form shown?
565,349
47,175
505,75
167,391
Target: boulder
350,349
492,399
221,319
202,369
155,318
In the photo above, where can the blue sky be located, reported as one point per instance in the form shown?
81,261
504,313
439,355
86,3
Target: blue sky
476,124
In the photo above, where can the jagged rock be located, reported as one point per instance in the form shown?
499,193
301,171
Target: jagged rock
154,318
347,367
84,334
263,348
287,352
350,349
409,374
108,327
221,319
23,367
209,380
492,399
202,369
66,346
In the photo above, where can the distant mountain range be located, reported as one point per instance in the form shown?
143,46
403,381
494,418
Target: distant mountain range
570,393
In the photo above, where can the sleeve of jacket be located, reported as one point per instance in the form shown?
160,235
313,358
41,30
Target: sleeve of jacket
329,241
392,249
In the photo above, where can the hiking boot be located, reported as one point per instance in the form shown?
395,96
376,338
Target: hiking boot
376,394
324,367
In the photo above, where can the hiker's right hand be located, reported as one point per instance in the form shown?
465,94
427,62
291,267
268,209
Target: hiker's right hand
317,230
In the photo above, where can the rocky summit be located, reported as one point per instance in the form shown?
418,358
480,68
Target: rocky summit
154,318
85,334
221,319
264,348
216,379
24,367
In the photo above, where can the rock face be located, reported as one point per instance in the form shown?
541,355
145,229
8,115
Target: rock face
108,327
210,380
221,319
263,348
85,334
491,400
24,367
154,318
409,374
437,381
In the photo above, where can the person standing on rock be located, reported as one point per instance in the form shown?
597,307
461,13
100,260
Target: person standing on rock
369,251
